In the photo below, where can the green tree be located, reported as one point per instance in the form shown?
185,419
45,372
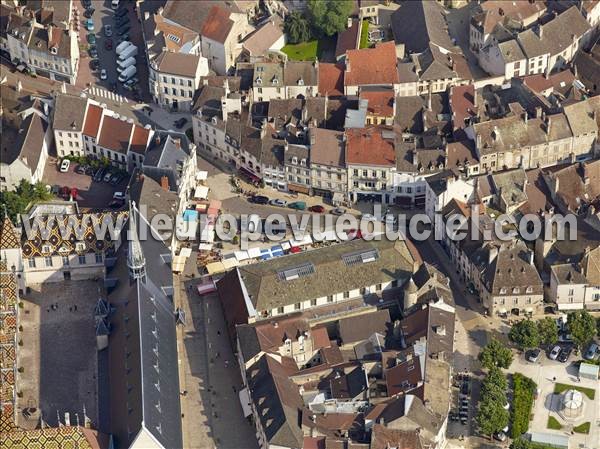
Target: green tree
494,386
297,28
582,327
525,334
329,17
495,354
598,326
548,331
491,417
16,202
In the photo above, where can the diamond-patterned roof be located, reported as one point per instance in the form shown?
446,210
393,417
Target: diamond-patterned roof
49,438
8,236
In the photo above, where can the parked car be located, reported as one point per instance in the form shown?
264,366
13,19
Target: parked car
592,353
89,24
93,52
99,175
124,30
64,192
107,176
565,353
89,12
121,12
533,355
55,189
108,30
115,204
94,64
108,44
317,208
121,20
80,169
91,38
87,3
278,202
118,196
338,211
64,165
259,199
553,355
298,205
124,38
115,179
89,170
103,74
180,123
369,217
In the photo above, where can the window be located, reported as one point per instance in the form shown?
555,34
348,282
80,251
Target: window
48,261
378,287
31,263
515,301
81,260
571,291
297,306
98,258
346,295
65,260
279,310
329,298
313,302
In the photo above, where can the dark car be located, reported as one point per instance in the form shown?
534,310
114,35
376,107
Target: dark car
124,30
533,355
121,12
93,52
115,204
91,38
180,123
89,12
89,170
99,175
94,64
259,199
565,353
317,208
87,3
120,21
80,169
108,44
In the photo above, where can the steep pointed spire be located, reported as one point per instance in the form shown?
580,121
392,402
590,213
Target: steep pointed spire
135,257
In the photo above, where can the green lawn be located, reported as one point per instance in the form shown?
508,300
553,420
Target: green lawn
308,51
589,392
582,428
553,423
364,34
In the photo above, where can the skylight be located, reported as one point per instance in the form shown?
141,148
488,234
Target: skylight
300,271
360,257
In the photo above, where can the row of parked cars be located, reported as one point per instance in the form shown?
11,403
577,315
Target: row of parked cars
297,205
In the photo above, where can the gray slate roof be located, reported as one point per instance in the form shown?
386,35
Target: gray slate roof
69,113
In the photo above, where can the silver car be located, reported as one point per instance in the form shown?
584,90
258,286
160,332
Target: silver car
554,353
108,30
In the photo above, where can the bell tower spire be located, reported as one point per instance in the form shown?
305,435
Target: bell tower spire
135,257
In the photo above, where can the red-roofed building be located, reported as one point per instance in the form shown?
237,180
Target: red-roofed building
463,103
371,159
221,33
92,121
331,79
114,140
371,67
381,106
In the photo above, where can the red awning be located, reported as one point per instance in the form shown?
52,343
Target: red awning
295,249
248,174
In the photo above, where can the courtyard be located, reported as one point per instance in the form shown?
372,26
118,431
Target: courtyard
58,355
566,405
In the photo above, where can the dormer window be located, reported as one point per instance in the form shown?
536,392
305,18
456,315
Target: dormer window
46,249
275,80
214,120
516,290
303,162
259,80
295,160
54,50
80,246
529,289
300,82
502,291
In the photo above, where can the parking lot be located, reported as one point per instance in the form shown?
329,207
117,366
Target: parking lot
103,15
90,194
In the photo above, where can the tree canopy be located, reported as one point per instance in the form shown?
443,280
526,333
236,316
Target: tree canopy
26,193
491,416
582,327
547,330
525,334
297,28
494,385
329,17
495,354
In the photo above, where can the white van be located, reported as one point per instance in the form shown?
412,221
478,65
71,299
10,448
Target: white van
130,51
123,46
114,4
122,65
128,73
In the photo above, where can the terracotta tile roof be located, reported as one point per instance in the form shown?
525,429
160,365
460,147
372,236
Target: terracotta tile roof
182,64
462,103
461,152
372,65
381,103
331,79
366,146
539,83
115,134
139,140
217,25
347,39
497,11
92,120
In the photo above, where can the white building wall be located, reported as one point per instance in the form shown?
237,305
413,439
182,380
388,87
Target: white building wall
68,143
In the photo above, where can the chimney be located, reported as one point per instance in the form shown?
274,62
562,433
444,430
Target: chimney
530,254
157,139
548,124
146,15
479,141
538,112
525,117
556,184
540,32
349,22
164,182
177,142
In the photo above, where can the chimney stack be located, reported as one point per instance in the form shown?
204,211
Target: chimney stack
164,182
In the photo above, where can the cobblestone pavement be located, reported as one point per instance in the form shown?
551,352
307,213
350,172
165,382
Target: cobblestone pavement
209,373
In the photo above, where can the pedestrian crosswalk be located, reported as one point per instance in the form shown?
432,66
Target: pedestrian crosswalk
98,92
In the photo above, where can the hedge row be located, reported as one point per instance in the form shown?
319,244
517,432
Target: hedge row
523,393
